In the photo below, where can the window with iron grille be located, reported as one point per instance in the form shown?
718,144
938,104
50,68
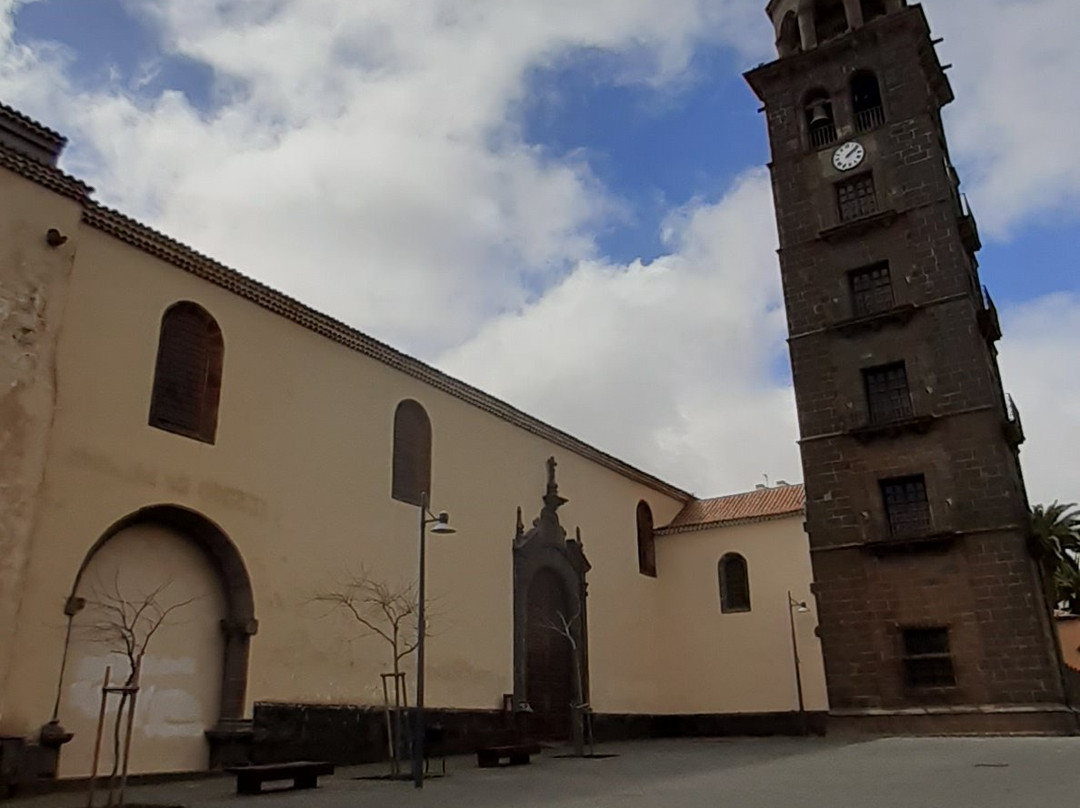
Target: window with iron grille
927,660
871,290
856,198
412,453
734,584
888,396
646,540
906,505
187,373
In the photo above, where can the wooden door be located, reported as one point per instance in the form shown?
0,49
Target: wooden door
548,661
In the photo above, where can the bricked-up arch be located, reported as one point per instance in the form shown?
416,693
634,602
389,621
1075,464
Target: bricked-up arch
239,624
734,584
646,540
412,453
187,374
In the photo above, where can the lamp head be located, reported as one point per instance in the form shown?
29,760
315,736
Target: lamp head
441,525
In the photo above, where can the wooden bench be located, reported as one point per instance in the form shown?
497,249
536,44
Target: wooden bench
303,773
488,757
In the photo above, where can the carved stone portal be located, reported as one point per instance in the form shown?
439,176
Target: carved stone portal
551,650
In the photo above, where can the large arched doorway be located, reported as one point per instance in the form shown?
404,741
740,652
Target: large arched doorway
167,584
549,671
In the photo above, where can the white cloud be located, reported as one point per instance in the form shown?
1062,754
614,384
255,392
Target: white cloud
364,157
1014,125
363,154
666,364
1038,361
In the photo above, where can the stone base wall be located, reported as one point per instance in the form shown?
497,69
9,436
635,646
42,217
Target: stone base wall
1002,721
349,734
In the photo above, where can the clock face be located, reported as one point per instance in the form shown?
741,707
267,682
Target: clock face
849,156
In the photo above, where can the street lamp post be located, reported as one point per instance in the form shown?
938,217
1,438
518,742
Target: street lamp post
800,607
440,525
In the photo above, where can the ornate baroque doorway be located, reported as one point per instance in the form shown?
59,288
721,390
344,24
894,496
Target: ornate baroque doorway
551,660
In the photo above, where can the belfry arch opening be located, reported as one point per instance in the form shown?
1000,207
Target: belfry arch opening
872,9
820,121
866,101
830,19
789,41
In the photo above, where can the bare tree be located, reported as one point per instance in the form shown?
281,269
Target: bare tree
388,611
383,610
126,625
582,726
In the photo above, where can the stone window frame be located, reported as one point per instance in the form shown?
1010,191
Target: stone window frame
733,573
646,540
186,392
900,499
926,656
856,197
888,393
865,288
411,454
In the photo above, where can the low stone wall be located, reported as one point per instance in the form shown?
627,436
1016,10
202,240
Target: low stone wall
350,734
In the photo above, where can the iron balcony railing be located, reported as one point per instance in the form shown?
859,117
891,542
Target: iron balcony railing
869,119
822,135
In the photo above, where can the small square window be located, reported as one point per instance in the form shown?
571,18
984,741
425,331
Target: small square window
888,396
927,660
906,506
856,198
871,290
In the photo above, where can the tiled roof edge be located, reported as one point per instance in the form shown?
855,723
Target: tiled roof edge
38,128
746,520
167,249
52,178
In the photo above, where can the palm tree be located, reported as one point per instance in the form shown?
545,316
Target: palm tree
1055,533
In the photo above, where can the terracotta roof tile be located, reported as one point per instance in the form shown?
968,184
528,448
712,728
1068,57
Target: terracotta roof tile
752,506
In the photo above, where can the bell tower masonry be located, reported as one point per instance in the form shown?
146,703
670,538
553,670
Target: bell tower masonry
931,612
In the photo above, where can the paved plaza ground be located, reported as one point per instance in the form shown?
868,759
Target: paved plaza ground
742,773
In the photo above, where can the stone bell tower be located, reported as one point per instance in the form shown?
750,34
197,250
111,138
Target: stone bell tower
932,617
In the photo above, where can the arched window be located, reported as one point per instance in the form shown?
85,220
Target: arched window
830,19
187,376
789,41
866,101
820,123
646,540
734,584
412,453
872,9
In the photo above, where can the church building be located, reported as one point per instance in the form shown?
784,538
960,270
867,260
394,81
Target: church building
180,439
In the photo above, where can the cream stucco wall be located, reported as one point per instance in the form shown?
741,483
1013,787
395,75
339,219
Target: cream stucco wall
738,662
299,479
33,283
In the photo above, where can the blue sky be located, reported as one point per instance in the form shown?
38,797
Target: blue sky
654,148
587,189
